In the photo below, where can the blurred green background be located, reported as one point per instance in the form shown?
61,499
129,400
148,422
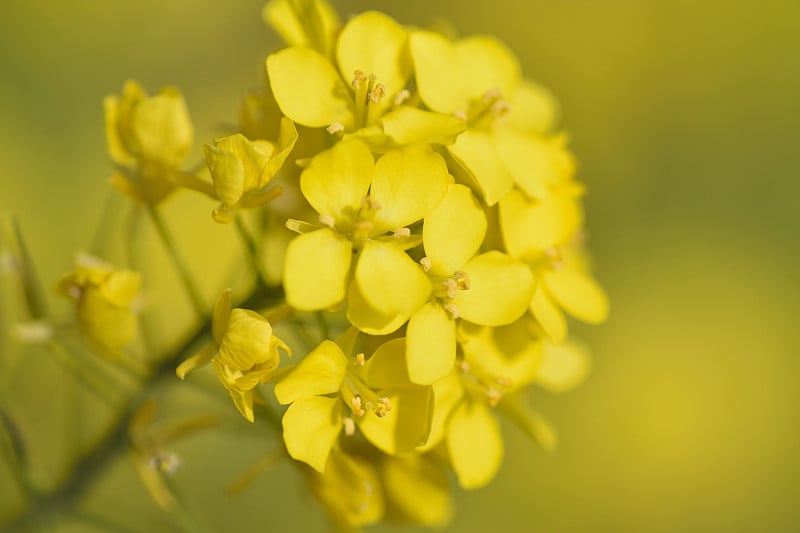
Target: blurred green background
684,117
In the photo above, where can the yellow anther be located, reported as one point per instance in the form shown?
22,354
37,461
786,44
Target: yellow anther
461,115
462,279
370,203
504,382
492,95
327,220
383,407
401,97
360,361
426,264
452,310
358,79
493,396
500,108
402,232
355,406
349,426
377,93
464,367
336,127
451,288
387,404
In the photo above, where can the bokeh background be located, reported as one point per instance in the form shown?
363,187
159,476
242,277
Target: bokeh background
684,116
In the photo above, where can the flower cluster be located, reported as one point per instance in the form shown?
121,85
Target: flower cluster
437,241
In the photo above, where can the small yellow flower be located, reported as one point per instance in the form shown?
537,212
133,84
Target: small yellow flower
364,209
507,118
452,282
148,138
330,393
242,169
244,352
554,255
104,296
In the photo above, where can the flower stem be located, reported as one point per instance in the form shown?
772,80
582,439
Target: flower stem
250,245
177,260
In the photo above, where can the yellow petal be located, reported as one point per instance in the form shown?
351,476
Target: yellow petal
475,444
117,149
320,372
317,270
556,218
121,287
350,491
195,361
389,280
247,340
162,127
447,395
578,293
548,315
431,348
108,326
287,138
408,183
418,488
366,318
227,172
453,231
338,179
375,44
308,88
310,428
500,290
563,367
478,152
533,108
487,65
406,426
310,23
410,125
512,352
387,366
536,164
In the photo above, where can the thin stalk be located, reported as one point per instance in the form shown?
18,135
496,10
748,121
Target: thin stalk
250,247
177,260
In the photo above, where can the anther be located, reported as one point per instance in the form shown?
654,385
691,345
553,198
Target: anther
336,127
402,232
426,264
401,97
461,115
355,406
493,396
349,426
464,367
462,279
369,202
327,220
504,382
451,286
500,108
358,78
360,360
377,93
492,95
452,310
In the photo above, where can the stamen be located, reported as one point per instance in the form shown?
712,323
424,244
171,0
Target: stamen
327,220
461,115
360,361
355,405
401,97
451,287
492,95
426,264
452,310
462,279
402,232
493,396
383,407
358,79
464,367
336,127
500,108
369,202
349,426
504,382
377,93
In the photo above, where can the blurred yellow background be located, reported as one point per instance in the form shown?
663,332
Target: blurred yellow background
684,118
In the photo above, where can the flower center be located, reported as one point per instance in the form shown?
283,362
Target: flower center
485,110
368,94
483,385
445,288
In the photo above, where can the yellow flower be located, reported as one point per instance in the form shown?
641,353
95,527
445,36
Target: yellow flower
330,393
104,296
148,137
478,80
359,202
453,282
417,489
308,23
554,257
241,169
244,352
349,490
356,93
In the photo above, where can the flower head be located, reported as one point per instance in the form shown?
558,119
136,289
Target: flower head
148,137
244,352
104,296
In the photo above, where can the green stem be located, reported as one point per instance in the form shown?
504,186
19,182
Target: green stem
250,246
178,262
46,507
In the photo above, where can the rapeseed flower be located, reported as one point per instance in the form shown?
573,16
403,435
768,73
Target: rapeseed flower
244,352
365,208
148,138
330,393
105,298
